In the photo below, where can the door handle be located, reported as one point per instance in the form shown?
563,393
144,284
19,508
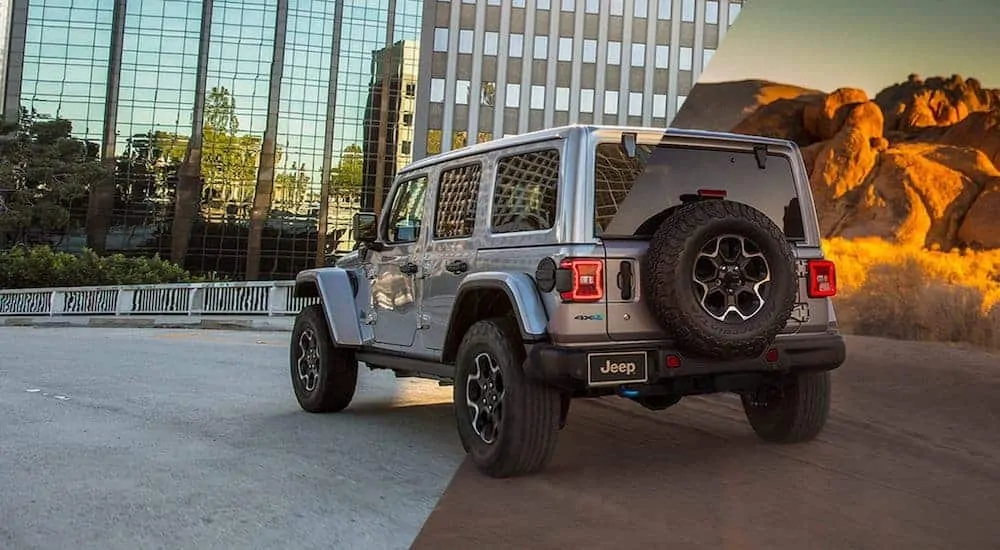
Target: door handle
409,268
457,266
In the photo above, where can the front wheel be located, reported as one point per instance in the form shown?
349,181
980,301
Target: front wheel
507,422
791,411
324,377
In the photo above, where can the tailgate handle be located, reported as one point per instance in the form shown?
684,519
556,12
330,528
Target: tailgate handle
625,279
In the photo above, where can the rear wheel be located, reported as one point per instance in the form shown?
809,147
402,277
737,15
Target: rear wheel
793,410
507,422
324,377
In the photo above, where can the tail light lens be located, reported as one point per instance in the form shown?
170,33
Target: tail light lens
822,278
586,280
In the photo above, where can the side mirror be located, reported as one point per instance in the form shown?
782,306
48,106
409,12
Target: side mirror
629,144
365,227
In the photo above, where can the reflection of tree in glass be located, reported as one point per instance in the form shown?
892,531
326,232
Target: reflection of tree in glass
45,175
291,189
229,160
345,181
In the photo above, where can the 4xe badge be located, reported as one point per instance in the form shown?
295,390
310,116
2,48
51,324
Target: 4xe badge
592,317
616,368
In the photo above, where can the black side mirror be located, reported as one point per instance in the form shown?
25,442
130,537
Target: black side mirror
629,144
365,227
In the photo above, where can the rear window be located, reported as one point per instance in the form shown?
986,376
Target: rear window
631,192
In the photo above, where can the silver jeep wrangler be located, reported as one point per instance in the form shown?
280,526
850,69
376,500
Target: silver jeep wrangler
583,261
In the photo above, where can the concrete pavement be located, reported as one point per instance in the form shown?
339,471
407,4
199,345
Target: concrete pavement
134,438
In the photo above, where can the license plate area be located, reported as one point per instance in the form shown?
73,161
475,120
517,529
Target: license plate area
611,369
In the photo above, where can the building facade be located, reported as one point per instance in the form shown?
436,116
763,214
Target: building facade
491,68
237,129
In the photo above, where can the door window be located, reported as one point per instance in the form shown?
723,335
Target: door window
407,213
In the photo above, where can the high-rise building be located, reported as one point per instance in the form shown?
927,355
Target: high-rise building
491,68
235,127
389,120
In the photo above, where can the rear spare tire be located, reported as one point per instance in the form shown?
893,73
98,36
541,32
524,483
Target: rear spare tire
719,276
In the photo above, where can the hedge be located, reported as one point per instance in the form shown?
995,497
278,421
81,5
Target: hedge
42,267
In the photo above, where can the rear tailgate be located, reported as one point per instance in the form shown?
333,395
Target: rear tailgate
631,192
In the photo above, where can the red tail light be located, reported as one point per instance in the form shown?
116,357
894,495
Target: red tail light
822,278
586,280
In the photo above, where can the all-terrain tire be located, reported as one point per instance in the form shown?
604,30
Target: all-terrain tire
529,423
670,290
331,386
796,412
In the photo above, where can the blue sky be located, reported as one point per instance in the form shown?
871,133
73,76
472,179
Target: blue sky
864,44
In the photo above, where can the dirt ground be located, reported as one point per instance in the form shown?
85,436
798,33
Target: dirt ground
910,459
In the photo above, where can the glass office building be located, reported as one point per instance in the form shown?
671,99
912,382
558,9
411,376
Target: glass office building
241,131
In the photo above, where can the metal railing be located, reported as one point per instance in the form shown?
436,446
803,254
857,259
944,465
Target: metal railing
258,298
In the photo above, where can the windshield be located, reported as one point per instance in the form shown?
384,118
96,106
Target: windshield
629,192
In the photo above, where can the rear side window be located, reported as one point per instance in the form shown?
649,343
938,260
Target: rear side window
527,186
458,194
629,193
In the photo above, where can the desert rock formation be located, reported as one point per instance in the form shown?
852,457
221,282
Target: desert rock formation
918,163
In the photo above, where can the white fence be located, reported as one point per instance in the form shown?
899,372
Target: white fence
259,298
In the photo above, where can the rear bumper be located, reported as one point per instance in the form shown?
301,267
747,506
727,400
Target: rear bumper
569,367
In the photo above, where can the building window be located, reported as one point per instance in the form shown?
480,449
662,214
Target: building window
659,105
562,99
611,102
458,195
543,5
687,10
407,119
616,7
638,55
513,98
568,5
593,6
734,12
641,9
411,90
666,6
586,101
440,39
483,137
462,89
492,43
492,2
524,197
565,49
687,58
541,48
712,12
635,104
662,57
516,48
589,50
488,94
437,90
434,141
538,97
405,147
680,101
614,53
706,58
518,3
465,41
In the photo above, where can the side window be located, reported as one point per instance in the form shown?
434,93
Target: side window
407,213
458,195
527,186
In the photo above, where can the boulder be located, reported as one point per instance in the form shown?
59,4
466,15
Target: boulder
981,226
825,117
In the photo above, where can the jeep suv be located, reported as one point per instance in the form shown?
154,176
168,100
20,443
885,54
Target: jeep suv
581,262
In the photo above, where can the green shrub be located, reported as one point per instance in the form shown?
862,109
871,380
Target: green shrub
42,267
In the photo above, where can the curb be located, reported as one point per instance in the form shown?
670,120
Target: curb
273,324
